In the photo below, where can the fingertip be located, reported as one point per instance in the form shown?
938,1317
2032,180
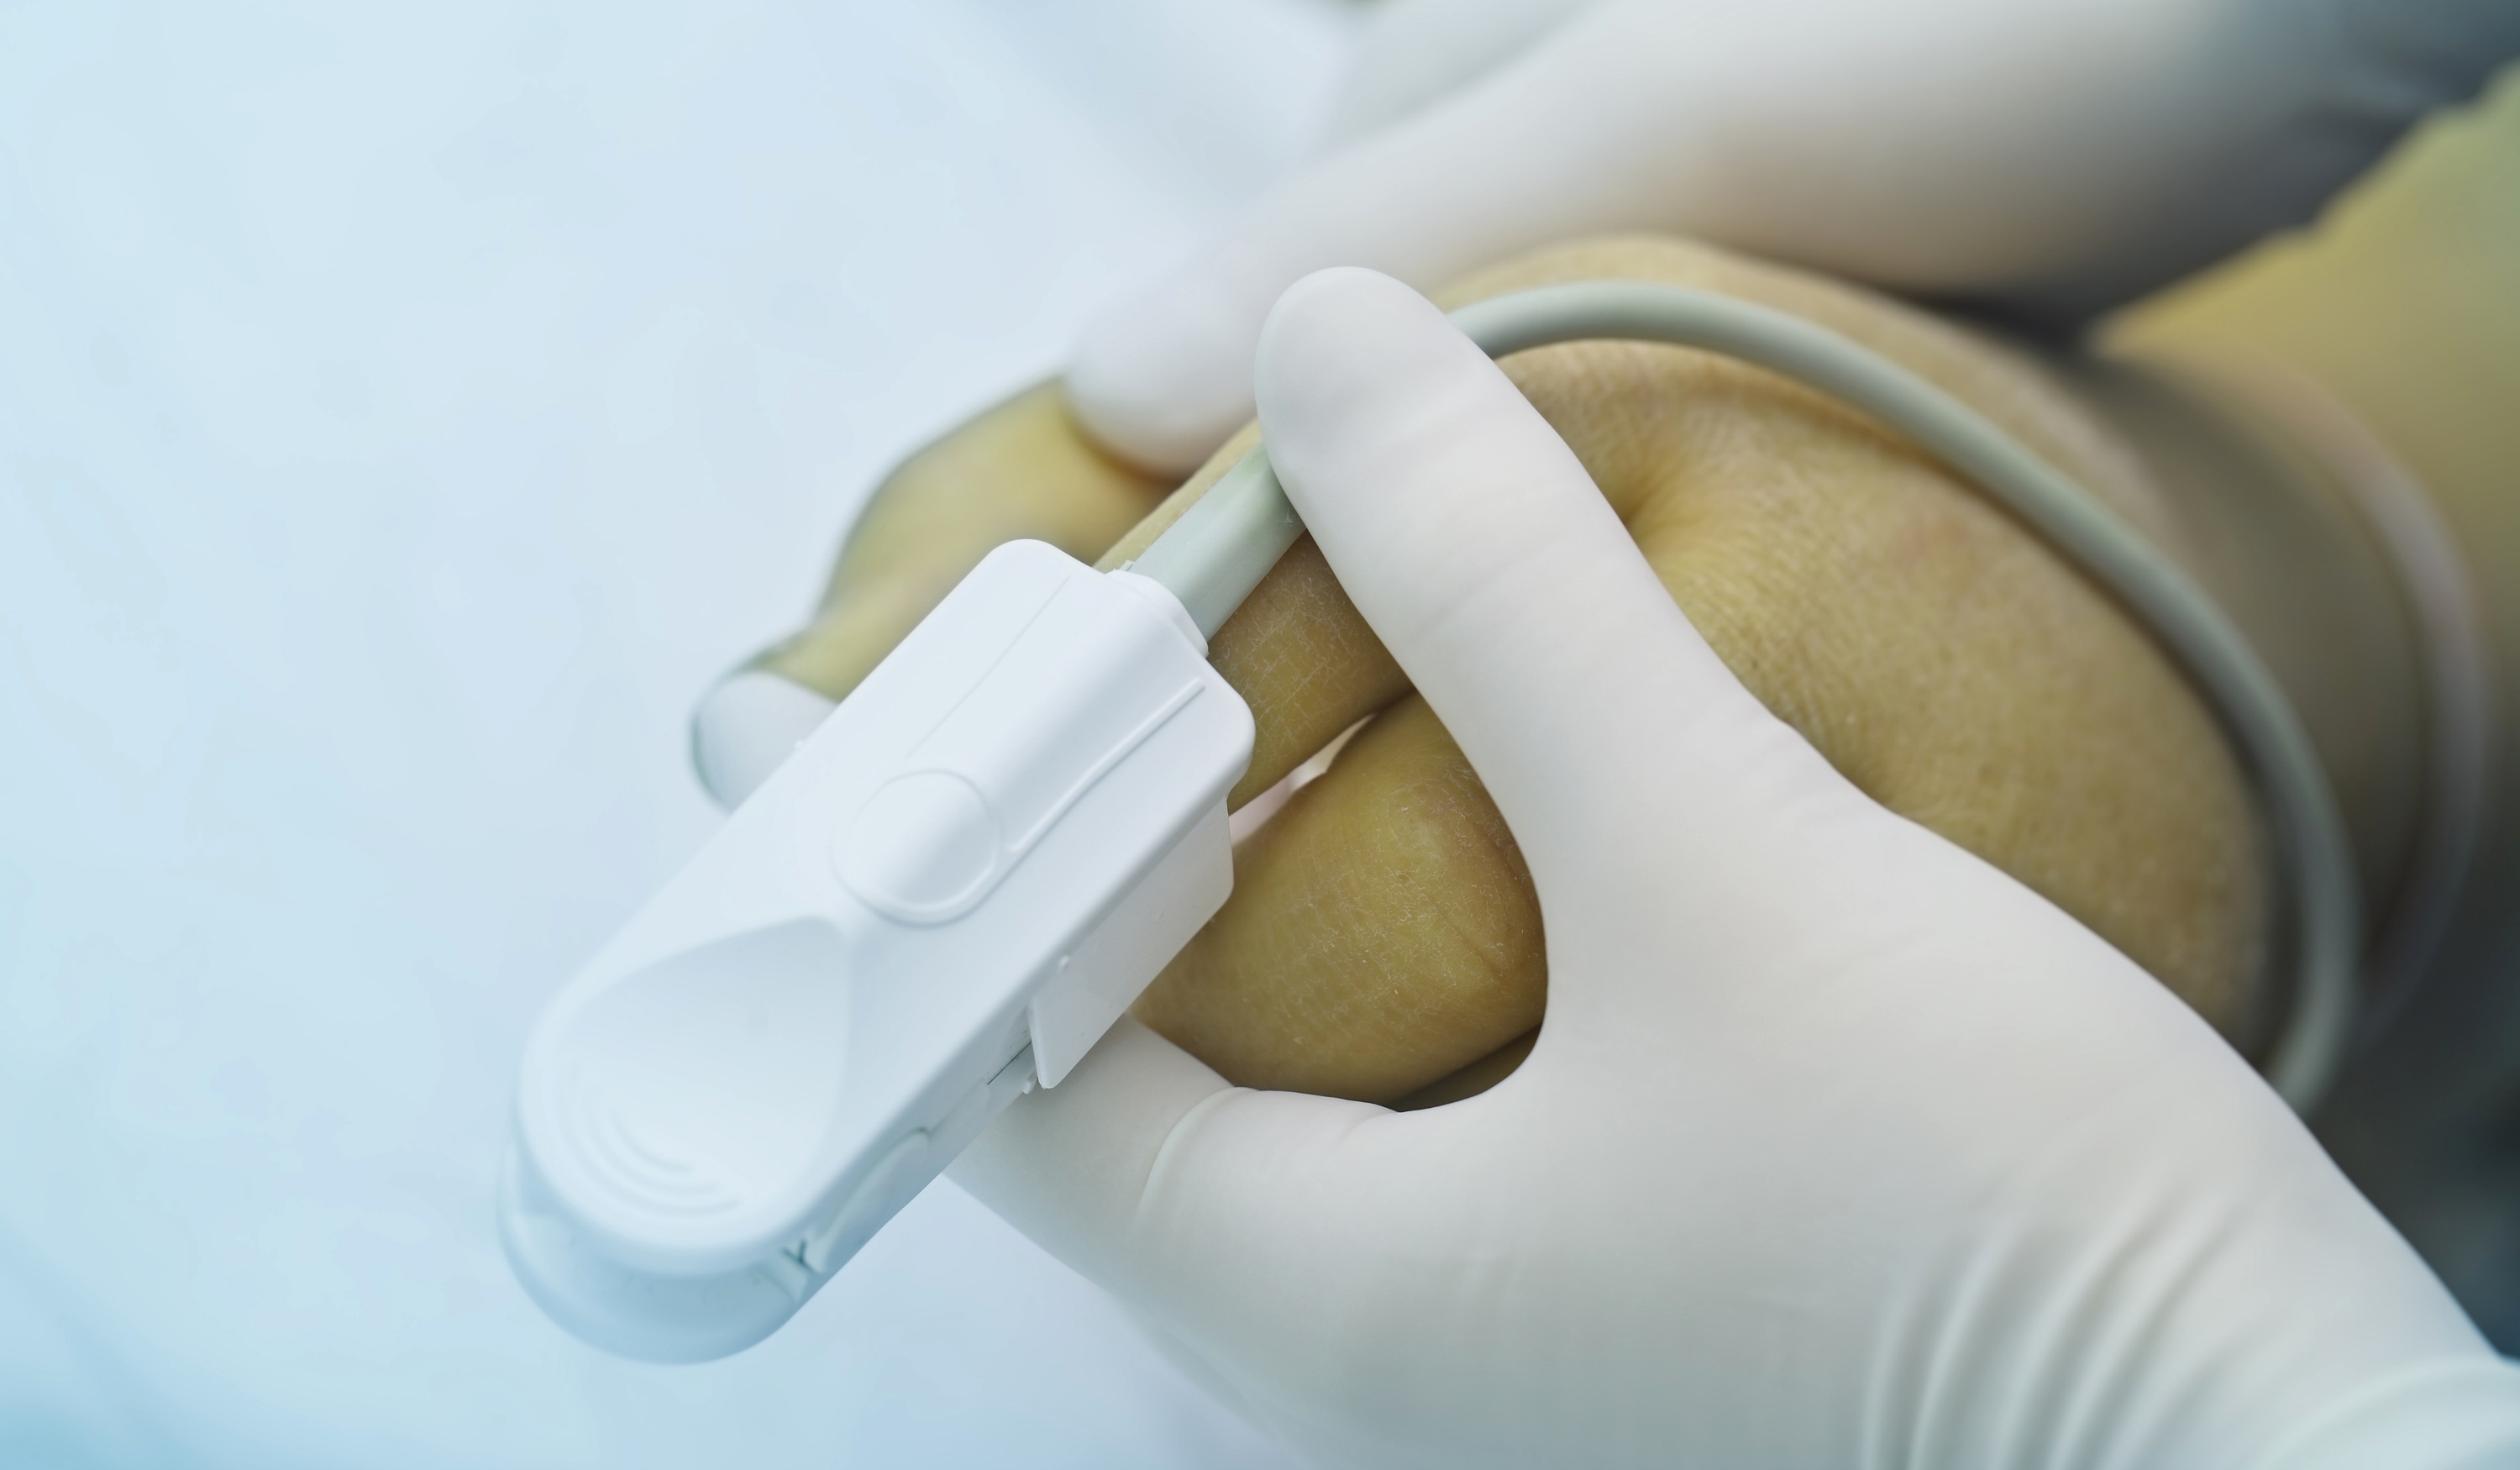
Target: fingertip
746,727
1163,376
1385,424
1342,332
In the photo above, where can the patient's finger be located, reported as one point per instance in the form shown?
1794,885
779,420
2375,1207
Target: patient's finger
1302,657
1020,470
1382,934
1298,650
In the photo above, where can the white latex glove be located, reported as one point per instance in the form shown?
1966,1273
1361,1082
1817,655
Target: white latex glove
1839,1148
2047,160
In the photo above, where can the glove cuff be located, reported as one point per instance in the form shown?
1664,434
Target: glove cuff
2450,1414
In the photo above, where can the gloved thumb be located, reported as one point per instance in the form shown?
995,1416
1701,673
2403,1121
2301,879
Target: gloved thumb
1635,770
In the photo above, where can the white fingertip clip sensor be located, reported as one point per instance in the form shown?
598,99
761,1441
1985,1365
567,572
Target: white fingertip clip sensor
945,896
969,867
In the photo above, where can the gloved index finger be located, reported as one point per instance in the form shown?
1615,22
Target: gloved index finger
1416,51
1533,153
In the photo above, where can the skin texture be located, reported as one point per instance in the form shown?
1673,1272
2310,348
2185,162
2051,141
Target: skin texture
1383,942
1021,470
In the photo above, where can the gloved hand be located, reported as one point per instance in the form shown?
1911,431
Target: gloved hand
2047,160
1838,1148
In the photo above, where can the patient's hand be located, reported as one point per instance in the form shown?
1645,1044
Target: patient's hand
1383,942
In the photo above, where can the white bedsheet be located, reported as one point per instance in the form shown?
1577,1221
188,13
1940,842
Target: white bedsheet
405,410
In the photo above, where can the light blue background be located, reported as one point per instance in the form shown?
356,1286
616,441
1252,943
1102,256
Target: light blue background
404,411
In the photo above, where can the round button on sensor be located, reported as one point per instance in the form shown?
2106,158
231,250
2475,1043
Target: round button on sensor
922,849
